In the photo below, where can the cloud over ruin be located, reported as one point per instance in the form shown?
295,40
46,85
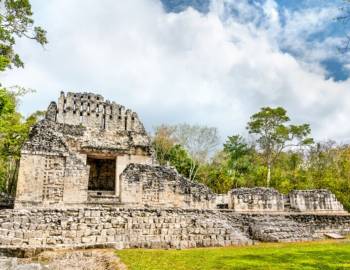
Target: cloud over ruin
215,65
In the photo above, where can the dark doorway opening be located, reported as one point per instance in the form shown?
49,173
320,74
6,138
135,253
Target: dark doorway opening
102,174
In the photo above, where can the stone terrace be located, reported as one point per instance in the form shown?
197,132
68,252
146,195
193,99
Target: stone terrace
152,228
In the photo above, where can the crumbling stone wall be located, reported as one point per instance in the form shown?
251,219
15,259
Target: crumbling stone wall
53,167
91,110
320,224
319,200
159,186
256,199
123,228
289,227
152,228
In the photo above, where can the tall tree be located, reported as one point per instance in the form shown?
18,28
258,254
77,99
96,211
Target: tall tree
274,135
15,22
199,141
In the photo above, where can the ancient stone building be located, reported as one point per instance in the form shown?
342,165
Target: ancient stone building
76,154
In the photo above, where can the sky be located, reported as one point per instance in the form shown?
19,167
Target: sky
208,62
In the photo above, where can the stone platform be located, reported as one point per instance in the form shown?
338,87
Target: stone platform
40,229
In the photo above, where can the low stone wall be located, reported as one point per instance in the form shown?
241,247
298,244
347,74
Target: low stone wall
122,228
256,199
290,227
151,228
158,186
318,200
320,224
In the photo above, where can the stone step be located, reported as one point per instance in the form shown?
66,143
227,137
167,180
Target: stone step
277,229
334,236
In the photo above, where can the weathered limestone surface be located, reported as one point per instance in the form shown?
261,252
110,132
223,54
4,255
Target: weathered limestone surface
152,228
256,199
124,228
319,200
54,170
158,186
290,227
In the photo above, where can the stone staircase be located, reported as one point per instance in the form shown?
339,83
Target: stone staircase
277,228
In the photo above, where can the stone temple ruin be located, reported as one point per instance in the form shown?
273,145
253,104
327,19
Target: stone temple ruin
88,178
76,154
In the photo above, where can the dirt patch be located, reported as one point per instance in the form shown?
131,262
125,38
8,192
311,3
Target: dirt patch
87,259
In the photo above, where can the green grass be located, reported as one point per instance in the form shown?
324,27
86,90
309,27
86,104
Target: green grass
311,255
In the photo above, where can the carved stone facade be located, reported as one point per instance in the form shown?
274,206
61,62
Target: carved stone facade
318,200
157,186
76,154
256,199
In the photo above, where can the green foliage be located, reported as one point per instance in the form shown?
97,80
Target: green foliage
163,143
14,131
293,256
15,22
243,164
216,174
236,148
274,135
180,159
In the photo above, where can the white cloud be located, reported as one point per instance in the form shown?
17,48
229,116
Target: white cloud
186,67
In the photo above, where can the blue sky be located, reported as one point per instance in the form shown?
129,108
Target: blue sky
334,64
209,62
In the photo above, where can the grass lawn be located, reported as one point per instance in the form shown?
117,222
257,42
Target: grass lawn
310,255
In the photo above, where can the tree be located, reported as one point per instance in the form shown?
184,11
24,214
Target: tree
240,155
163,142
236,147
14,131
15,22
274,135
199,141
180,159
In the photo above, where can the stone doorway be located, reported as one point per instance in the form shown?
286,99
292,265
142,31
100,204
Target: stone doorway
102,174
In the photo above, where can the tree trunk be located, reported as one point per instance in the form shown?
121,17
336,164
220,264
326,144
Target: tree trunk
268,178
13,179
193,170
